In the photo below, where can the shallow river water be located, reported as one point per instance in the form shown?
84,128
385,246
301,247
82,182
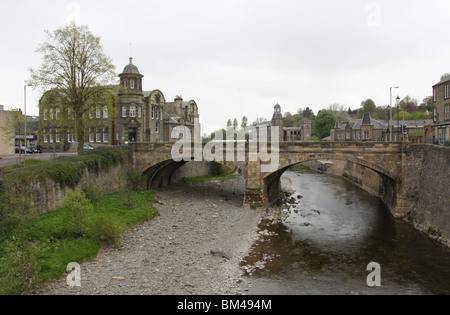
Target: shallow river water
331,235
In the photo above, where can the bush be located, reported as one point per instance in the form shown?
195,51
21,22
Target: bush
76,209
134,179
91,192
447,143
107,230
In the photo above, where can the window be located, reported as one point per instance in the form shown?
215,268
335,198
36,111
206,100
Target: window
139,111
153,112
51,136
124,111
442,135
447,112
157,113
91,135
58,136
99,135
98,112
105,135
131,84
366,135
57,111
435,94
45,138
161,114
157,127
132,111
125,83
105,111
447,91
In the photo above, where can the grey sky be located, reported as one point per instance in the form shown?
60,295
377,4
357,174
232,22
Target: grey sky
241,57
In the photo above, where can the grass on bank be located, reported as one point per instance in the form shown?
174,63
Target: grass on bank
39,249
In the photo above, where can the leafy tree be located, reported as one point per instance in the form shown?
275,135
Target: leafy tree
308,113
427,104
323,123
235,124
368,106
445,75
75,68
244,122
229,124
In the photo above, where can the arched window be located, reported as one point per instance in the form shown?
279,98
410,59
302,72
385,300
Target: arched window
125,83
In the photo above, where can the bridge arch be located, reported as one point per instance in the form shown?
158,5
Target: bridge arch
272,181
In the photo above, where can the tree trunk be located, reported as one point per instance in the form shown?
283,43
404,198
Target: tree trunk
79,127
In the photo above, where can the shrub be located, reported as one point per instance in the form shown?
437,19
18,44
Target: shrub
107,230
447,143
134,179
76,209
91,192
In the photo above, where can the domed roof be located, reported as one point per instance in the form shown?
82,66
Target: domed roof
277,112
131,69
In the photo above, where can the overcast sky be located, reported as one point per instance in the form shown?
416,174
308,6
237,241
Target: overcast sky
241,57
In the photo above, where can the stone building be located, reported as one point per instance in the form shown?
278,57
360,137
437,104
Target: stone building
300,133
146,116
6,133
140,116
441,98
364,129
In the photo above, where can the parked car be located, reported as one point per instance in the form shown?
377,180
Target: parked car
24,149
36,148
88,147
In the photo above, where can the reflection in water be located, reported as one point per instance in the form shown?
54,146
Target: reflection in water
330,237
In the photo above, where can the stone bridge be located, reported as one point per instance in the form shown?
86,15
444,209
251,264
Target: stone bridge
155,161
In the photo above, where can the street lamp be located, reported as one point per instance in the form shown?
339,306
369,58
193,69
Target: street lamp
390,110
26,120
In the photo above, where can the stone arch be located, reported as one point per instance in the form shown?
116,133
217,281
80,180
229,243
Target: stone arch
272,183
161,174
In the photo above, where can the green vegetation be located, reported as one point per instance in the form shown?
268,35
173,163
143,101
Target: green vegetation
325,121
299,168
38,249
434,231
447,143
218,172
67,171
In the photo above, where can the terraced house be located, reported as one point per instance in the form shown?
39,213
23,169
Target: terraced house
138,116
441,98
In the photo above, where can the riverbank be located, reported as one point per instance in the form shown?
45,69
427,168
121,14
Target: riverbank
171,254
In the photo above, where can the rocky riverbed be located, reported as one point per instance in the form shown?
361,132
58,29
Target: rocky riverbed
171,254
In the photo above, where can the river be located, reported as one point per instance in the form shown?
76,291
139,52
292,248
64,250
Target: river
331,235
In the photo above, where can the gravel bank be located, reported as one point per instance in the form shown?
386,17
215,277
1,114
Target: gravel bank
171,254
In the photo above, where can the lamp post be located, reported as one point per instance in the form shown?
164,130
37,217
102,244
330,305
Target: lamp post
390,110
26,120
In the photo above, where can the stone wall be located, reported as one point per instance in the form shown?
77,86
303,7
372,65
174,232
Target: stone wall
427,184
48,195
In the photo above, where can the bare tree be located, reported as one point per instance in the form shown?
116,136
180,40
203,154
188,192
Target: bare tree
75,67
